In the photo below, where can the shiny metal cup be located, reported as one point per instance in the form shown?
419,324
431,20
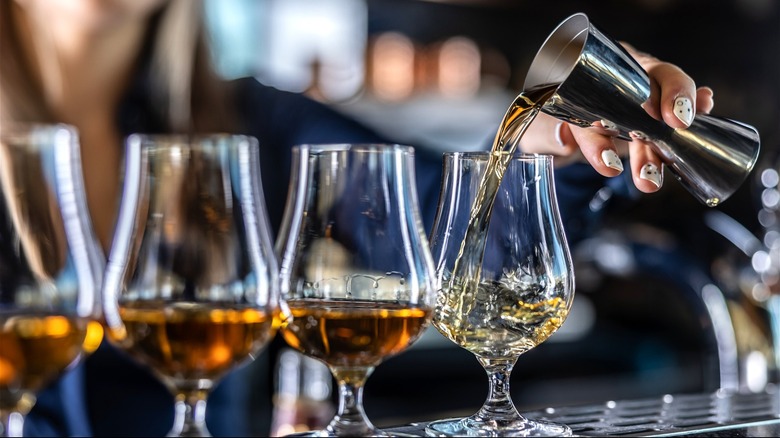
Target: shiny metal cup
600,83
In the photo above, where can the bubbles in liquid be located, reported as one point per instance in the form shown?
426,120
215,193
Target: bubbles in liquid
386,286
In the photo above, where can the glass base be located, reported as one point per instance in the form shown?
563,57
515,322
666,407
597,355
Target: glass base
193,432
470,426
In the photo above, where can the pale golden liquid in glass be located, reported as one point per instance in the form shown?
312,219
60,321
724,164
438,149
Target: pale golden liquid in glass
493,320
500,323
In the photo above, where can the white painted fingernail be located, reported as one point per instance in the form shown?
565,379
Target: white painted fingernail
683,109
609,126
650,172
612,160
558,138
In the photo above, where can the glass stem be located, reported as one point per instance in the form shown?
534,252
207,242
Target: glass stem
190,414
351,420
498,406
11,423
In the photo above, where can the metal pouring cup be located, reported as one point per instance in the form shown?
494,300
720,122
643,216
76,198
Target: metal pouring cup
598,81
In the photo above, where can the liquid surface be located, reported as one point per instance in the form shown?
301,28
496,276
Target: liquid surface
35,349
352,333
189,341
502,320
464,311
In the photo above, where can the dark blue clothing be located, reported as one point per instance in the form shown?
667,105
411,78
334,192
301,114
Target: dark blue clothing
110,394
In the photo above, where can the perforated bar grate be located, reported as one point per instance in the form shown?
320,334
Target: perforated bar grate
698,414
668,414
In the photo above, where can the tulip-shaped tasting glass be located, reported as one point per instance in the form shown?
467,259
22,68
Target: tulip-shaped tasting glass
51,265
356,269
191,288
505,276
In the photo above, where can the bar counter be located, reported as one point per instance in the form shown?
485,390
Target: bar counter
717,414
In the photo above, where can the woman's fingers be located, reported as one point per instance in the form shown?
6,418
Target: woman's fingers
704,100
674,99
603,153
673,94
678,94
599,149
548,135
646,167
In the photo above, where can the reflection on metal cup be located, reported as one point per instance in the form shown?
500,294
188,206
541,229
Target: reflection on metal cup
600,83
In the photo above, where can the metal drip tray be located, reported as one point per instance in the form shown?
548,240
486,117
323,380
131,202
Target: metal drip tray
669,415
721,413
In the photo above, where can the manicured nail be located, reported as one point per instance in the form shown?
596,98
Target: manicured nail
612,160
638,135
651,173
609,126
683,109
558,138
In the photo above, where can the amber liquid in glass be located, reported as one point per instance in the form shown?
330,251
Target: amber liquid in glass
189,341
36,348
353,333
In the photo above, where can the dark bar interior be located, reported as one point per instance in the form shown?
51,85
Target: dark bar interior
674,328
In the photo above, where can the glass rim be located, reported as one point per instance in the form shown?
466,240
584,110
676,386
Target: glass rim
485,155
360,147
188,140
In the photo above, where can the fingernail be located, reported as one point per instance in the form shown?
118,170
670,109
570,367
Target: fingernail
558,138
609,126
651,173
612,160
683,109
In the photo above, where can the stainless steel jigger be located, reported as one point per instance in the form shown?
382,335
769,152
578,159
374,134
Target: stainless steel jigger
600,82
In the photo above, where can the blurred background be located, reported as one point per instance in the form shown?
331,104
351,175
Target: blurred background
672,296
